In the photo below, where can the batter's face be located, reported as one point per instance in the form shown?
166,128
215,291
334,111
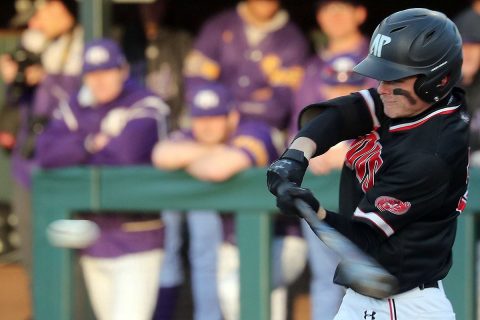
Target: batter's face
399,98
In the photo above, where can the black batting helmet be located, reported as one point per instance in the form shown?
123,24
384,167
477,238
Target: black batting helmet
416,42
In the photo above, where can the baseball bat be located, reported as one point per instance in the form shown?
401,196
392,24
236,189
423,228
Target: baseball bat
357,270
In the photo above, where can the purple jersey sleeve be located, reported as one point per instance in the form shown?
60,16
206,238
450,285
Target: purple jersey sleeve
132,122
254,138
53,89
58,146
132,146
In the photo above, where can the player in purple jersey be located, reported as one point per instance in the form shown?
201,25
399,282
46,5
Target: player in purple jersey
210,127
112,121
256,52
405,177
219,145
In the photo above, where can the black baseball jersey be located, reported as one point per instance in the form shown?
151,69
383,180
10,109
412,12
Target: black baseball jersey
404,181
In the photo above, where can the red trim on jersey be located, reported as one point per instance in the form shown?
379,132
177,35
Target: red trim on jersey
393,313
370,104
414,124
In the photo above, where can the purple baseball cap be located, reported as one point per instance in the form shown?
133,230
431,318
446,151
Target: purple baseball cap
339,70
102,54
211,99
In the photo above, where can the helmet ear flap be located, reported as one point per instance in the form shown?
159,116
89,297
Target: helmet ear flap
420,88
427,89
430,89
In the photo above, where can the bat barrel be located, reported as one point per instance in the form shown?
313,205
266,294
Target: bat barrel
357,270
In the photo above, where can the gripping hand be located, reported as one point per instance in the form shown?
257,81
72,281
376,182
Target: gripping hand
284,178
289,168
287,193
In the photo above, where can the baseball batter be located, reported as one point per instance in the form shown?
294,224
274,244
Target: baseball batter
405,176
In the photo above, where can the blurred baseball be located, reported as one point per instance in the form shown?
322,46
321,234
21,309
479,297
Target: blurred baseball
75,234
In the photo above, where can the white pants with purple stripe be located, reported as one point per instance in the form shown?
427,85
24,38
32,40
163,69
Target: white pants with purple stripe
416,304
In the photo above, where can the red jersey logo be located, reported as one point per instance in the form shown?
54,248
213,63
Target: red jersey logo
392,205
365,157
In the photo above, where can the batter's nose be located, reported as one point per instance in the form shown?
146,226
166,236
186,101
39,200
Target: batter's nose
384,87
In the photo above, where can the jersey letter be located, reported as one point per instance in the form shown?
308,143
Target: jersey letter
365,158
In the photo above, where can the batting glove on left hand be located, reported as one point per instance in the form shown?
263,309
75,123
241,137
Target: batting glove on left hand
288,192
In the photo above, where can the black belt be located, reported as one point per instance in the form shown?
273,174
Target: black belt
432,284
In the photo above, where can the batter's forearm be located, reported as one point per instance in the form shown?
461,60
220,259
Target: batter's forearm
306,145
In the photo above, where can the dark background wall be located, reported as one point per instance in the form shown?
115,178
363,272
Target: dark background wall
189,14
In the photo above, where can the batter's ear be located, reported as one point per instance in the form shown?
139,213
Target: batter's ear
430,89
444,81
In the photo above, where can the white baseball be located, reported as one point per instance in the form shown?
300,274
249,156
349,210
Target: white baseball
75,234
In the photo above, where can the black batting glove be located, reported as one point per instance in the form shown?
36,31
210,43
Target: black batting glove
288,193
289,168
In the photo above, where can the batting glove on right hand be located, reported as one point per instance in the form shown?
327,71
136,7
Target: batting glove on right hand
288,192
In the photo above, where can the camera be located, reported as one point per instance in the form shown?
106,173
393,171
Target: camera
24,59
27,53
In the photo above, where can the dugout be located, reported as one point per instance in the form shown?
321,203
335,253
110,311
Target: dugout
101,17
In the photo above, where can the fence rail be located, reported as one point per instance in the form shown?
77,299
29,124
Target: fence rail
59,193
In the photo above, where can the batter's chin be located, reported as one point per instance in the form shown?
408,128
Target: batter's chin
389,111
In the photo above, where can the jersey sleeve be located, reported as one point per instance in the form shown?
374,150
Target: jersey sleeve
132,146
58,146
203,60
404,194
343,118
255,141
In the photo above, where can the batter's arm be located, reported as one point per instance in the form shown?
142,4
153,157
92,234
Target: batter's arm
335,120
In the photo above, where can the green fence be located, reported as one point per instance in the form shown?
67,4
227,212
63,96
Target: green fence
8,41
60,193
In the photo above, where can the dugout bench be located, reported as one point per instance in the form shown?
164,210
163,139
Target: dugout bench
57,194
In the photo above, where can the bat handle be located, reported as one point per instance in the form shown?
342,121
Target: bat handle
330,236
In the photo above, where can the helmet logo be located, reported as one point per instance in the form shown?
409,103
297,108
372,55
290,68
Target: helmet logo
378,43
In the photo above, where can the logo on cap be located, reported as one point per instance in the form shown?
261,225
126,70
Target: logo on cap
378,43
206,99
97,55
